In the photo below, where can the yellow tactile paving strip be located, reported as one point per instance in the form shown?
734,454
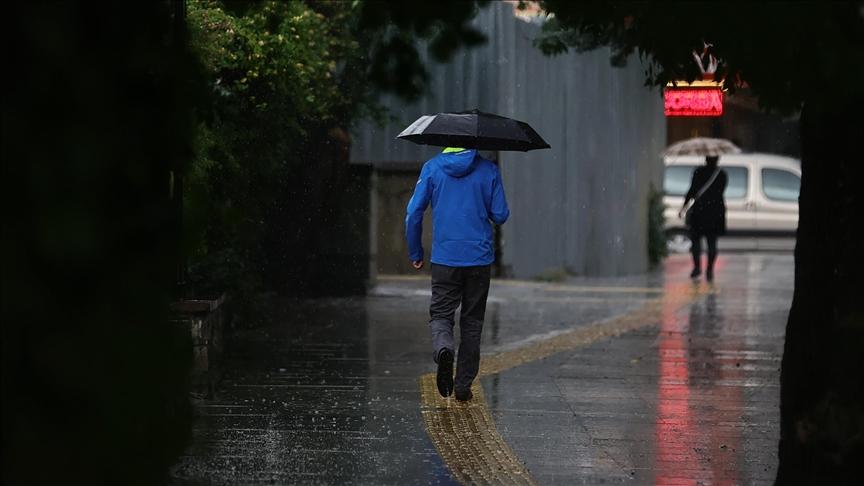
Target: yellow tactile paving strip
467,439
465,434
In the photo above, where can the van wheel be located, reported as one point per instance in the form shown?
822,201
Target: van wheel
678,242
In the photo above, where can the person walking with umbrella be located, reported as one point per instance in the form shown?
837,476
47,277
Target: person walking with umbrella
707,216
467,198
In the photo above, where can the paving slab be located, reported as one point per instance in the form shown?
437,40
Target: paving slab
647,379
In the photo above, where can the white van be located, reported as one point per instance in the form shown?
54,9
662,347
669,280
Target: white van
761,196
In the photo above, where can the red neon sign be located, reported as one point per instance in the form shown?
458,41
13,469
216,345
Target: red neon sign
683,101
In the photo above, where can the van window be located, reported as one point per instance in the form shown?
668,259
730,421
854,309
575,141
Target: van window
780,185
677,179
736,188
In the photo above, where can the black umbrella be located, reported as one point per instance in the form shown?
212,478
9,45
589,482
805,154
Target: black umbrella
473,129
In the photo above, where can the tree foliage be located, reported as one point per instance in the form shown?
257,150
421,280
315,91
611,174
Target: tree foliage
784,51
657,249
274,53
272,68
390,31
288,79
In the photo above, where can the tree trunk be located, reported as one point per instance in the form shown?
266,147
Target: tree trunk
822,377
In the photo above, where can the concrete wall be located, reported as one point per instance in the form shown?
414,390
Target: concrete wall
392,190
579,207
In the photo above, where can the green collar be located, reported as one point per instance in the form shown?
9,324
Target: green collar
453,149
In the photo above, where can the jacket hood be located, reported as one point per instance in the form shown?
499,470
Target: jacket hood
458,164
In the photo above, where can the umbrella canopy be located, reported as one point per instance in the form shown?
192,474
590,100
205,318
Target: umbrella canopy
702,146
473,129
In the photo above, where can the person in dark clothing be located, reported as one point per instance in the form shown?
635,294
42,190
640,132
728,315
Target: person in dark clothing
707,216
467,197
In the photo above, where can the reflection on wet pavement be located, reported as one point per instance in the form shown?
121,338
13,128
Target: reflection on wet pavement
467,438
691,401
329,393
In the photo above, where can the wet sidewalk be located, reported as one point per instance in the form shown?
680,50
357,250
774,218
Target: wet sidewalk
640,380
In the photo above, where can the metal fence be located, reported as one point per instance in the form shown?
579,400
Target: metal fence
579,208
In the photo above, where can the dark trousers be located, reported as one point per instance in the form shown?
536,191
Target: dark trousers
696,249
452,286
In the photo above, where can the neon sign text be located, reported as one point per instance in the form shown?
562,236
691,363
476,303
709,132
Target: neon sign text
684,101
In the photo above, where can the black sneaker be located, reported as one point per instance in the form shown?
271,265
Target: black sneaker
464,395
695,273
445,372
709,275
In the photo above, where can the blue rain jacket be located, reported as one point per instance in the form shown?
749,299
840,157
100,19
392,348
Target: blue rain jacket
467,197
